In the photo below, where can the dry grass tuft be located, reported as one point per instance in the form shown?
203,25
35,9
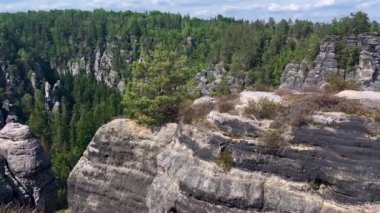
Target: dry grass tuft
338,83
258,86
227,104
283,92
263,109
376,116
13,208
191,114
272,139
225,160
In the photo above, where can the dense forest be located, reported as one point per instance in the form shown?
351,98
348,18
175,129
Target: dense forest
155,55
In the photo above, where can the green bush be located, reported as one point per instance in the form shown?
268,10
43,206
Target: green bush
273,139
263,109
338,83
157,89
221,89
225,160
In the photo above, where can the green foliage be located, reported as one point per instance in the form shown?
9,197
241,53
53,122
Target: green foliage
356,23
221,89
39,120
85,105
157,54
338,83
347,58
26,106
158,86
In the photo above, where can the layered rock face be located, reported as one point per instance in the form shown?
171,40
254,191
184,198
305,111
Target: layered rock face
330,165
297,76
209,80
25,170
294,75
99,63
368,70
116,171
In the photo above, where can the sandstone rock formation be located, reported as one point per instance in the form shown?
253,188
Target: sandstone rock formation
100,64
367,98
208,80
293,76
330,165
298,76
25,170
116,171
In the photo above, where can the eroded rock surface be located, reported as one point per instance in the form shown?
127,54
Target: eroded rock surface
368,98
209,80
25,170
366,70
330,165
117,169
293,76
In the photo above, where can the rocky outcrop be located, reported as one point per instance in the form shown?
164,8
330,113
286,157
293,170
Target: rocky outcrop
366,71
330,165
293,76
209,80
25,170
298,76
99,64
116,171
369,99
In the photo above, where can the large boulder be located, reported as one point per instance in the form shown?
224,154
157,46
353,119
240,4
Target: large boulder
368,98
118,167
26,167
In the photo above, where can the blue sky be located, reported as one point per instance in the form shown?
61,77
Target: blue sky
316,10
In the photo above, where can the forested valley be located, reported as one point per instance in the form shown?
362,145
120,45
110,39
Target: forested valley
66,73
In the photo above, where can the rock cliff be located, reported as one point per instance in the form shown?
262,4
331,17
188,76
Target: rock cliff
366,71
329,165
208,81
25,170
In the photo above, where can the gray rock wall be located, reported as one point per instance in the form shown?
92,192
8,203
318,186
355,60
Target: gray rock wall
209,80
329,166
296,76
25,170
117,169
100,64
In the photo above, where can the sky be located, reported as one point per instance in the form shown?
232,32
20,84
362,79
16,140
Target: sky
314,10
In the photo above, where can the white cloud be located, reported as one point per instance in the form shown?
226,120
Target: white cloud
323,3
274,7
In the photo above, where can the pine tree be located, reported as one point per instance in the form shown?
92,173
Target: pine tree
39,120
